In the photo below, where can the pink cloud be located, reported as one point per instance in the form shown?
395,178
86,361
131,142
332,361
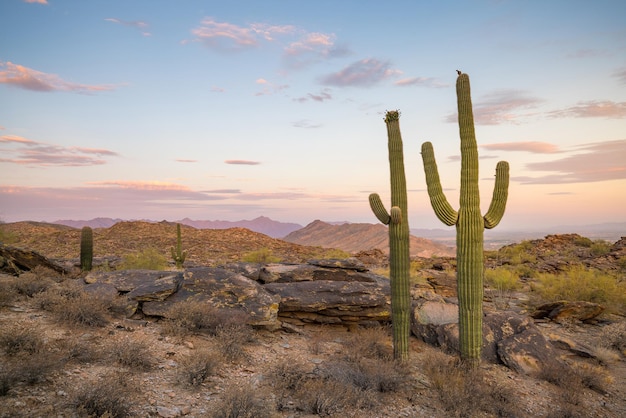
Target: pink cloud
528,146
592,163
242,162
363,73
230,37
420,81
312,48
504,106
184,160
320,97
593,109
620,75
29,79
33,153
36,1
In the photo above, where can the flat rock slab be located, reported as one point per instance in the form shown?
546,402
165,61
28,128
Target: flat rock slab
15,260
221,289
129,280
564,310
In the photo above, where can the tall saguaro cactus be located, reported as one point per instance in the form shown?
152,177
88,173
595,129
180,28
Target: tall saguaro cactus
177,253
396,218
86,248
470,224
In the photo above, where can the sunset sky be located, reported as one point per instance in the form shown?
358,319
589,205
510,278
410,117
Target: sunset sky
230,110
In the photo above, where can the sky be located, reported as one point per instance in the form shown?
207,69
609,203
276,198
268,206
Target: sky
231,110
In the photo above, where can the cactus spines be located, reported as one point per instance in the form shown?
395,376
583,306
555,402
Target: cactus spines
86,249
396,218
470,224
177,253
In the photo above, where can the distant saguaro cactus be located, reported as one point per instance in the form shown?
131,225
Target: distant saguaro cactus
397,219
470,224
86,249
177,253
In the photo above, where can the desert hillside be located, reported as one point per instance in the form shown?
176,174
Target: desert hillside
203,246
361,237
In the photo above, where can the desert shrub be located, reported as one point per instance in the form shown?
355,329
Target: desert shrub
368,375
370,342
517,253
69,303
198,316
148,259
33,282
600,247
503,281
594,377
263,256
582,242
581,284
131,353
15,340
27,368
231,340
242,401
333,253
7,237
464,391
198,366
8,293
107,397
327,398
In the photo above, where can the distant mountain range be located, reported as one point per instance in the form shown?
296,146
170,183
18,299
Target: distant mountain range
361,236
262,224
494,238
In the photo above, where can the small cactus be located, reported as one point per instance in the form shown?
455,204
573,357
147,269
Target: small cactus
397,219
86,249
470,224
177,253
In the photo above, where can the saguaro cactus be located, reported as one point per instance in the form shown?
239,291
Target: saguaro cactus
399,262
86,249
470,224
177,253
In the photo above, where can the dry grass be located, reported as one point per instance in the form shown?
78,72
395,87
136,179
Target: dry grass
464,391
108,396
242,401
132,353
198,366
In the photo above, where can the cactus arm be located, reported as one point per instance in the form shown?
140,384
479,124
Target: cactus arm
379,209
500,195
438,200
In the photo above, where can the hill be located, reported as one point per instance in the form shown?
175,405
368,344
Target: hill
361,237
203,246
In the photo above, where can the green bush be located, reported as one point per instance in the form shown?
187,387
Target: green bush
263,256
600,247
502,279
148,259
581,284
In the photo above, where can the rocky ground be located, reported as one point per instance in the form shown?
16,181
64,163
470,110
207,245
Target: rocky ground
62,361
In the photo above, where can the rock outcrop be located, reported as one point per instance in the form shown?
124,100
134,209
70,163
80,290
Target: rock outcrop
14,260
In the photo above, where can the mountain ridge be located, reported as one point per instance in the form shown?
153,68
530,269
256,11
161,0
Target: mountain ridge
355,237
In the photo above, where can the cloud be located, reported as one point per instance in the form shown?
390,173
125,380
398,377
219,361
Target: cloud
226,36
223,191
32,153
591,163
528,146
36,1
312,48
503,106
137,24
242,162
305,123
420,82
320,97
29,79
364,73
269,88
215,89
620,75
593,109
184,160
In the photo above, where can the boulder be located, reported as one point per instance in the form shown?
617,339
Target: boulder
126,281
331,270
14,260
561,311
358,299
528,352
221,289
